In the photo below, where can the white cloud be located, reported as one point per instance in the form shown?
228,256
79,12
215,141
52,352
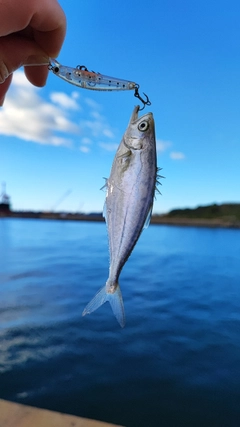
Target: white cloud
96,115
61,141
177,155
163,145
98,125
19,79
84,149
108,132
92,104
75,95
97,128
65,101
28,116
52,120
86,141
108,146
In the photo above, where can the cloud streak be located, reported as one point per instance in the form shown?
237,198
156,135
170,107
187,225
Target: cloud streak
28,116
65,101
109,146
162,145
177,155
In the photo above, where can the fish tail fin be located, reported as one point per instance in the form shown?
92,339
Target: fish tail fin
116,303
115,300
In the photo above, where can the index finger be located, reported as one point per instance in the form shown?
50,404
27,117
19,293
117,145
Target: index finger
44,21
49,26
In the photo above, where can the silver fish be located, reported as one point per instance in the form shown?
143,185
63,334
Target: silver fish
129,200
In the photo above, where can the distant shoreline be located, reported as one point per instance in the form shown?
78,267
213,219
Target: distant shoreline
156,219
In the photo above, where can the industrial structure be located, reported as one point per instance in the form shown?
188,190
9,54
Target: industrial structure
4,201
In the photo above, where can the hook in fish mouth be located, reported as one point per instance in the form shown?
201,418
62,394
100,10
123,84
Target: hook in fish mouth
135,116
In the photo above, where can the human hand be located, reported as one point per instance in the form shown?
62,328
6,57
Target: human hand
31,31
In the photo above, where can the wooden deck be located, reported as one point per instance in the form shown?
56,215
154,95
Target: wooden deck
17,415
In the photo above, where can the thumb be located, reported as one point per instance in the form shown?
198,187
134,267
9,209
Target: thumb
16,51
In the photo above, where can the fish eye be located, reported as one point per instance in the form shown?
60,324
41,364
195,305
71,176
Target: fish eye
143,126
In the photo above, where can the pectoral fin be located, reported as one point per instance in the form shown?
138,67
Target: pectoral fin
148,219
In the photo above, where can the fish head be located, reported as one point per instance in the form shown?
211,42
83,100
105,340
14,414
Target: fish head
140,132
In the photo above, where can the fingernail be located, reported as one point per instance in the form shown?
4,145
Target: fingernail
2,101
36,60
3,72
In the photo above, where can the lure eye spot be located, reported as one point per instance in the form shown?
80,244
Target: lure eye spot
143,126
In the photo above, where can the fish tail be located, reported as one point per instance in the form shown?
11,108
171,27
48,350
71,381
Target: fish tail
115,300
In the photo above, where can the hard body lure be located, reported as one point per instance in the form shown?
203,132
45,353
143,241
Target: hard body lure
81,77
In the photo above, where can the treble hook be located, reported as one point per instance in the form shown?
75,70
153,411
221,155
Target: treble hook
145,102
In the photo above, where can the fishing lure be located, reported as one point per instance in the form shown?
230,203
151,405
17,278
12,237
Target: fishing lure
82,77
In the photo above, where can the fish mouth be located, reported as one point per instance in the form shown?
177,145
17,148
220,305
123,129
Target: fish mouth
135,117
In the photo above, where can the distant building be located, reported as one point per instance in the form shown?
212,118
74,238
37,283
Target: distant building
4,201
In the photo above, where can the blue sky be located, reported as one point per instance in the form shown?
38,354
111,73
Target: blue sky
60,140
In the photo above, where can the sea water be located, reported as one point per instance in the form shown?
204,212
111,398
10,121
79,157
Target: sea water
176,362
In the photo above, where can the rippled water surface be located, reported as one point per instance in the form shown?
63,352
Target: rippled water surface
176,362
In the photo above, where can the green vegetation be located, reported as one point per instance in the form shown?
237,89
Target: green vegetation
225,212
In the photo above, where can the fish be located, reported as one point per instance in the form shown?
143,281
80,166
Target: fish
130,191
